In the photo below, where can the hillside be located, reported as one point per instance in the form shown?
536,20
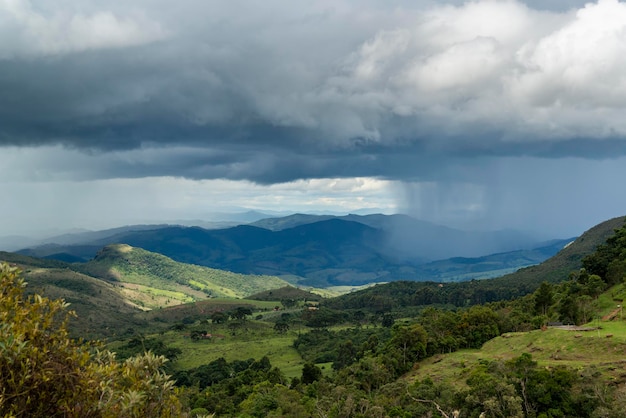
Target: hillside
557,268
407,238
552,348
153,280
108,292
102,309
286,293
554,270
458,269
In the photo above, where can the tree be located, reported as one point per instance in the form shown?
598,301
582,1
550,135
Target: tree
609,259
478,325
440,326
387,320
288,303
310,373
358,317
568,310
543,298
218,317
281,327
411,341
322,318
346,355
492,396
241,313
595,285
44,373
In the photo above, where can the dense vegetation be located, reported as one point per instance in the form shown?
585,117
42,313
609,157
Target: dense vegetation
43,373
361,353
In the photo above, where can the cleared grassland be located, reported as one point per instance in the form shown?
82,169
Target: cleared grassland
603,348
254,339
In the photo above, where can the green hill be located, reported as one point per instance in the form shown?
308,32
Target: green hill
102,309
286,293
153,280
602,349
380,349
110,291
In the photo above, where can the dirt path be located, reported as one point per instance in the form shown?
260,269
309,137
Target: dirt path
612,315
574,328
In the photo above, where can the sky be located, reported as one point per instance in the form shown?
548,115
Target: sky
479,115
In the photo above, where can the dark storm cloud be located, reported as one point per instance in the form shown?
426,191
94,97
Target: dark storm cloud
328,89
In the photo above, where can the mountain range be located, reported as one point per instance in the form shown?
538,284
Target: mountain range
110,291
324,250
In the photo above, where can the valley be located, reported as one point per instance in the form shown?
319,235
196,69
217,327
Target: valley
252,345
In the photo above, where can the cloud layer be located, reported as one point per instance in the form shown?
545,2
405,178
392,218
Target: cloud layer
485,113
318,89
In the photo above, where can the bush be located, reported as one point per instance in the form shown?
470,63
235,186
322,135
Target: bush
44,373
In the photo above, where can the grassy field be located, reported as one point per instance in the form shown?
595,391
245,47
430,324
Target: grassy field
252,338
603,348
252,344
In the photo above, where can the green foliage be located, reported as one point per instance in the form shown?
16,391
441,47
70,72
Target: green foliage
274,400
281,327
218,317
609,259
346,355
478,325
43,373
324,346
310,373
139,345
410,341
492,395
544,298
387,320
241,313
286,293
322,318
367,361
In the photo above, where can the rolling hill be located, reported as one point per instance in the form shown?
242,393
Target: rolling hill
110,291
153,280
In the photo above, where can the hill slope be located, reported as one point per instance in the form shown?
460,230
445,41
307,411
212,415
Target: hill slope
154,280
527,280
102,309
557,268
110,291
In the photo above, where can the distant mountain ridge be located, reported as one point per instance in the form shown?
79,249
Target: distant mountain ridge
408,237
323,250
555,269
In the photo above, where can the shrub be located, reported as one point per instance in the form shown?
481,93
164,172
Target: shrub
44,373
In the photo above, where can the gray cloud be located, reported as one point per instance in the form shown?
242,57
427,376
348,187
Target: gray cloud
398,90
